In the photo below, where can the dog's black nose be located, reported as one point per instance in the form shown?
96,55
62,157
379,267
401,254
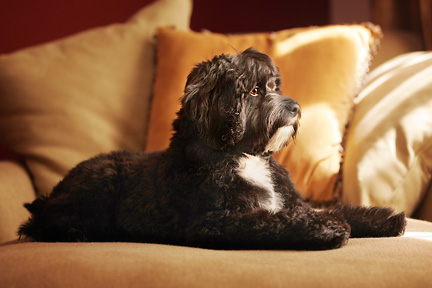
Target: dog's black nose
293,107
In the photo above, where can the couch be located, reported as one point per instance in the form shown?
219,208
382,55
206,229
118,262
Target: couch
365,138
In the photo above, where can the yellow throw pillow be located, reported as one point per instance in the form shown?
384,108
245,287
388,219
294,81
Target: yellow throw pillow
65,101
321,67
389,143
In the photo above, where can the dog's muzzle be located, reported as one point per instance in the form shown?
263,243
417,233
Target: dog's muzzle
287,128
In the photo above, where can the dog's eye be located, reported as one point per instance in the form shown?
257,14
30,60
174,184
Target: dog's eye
255,91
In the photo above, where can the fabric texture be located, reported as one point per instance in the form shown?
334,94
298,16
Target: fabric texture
15,189
424,210
369,262
65,101
389,143
322,68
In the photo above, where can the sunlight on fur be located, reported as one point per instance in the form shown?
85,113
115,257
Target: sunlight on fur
280,138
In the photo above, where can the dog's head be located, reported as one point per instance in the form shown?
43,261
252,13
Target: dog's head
236,102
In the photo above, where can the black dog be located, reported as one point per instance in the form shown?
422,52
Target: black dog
216,186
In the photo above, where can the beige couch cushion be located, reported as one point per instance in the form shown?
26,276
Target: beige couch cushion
15,189
424,210
322,68
369,262
389,144
65,101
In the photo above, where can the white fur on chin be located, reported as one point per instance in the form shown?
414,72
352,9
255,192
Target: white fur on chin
280,138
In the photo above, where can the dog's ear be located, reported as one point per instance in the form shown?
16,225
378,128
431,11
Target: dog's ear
196,99
209,101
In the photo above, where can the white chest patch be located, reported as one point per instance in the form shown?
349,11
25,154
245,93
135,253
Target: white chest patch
256,171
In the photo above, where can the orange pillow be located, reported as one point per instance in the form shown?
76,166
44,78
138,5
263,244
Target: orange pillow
322,68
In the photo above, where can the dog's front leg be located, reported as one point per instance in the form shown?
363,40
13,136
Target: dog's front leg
370,221
261,229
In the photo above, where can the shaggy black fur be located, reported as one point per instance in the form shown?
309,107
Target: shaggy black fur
216,186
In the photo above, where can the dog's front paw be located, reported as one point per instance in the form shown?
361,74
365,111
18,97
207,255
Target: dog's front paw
395,225
330,236
340,236
385,223
371,221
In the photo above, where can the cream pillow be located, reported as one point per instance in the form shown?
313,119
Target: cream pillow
65,101
388,158
321,67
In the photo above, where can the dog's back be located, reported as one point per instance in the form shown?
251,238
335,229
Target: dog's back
82,207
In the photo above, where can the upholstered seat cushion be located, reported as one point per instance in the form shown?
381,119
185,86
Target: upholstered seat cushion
370,262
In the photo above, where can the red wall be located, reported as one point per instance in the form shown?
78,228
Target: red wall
259,16
28,22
